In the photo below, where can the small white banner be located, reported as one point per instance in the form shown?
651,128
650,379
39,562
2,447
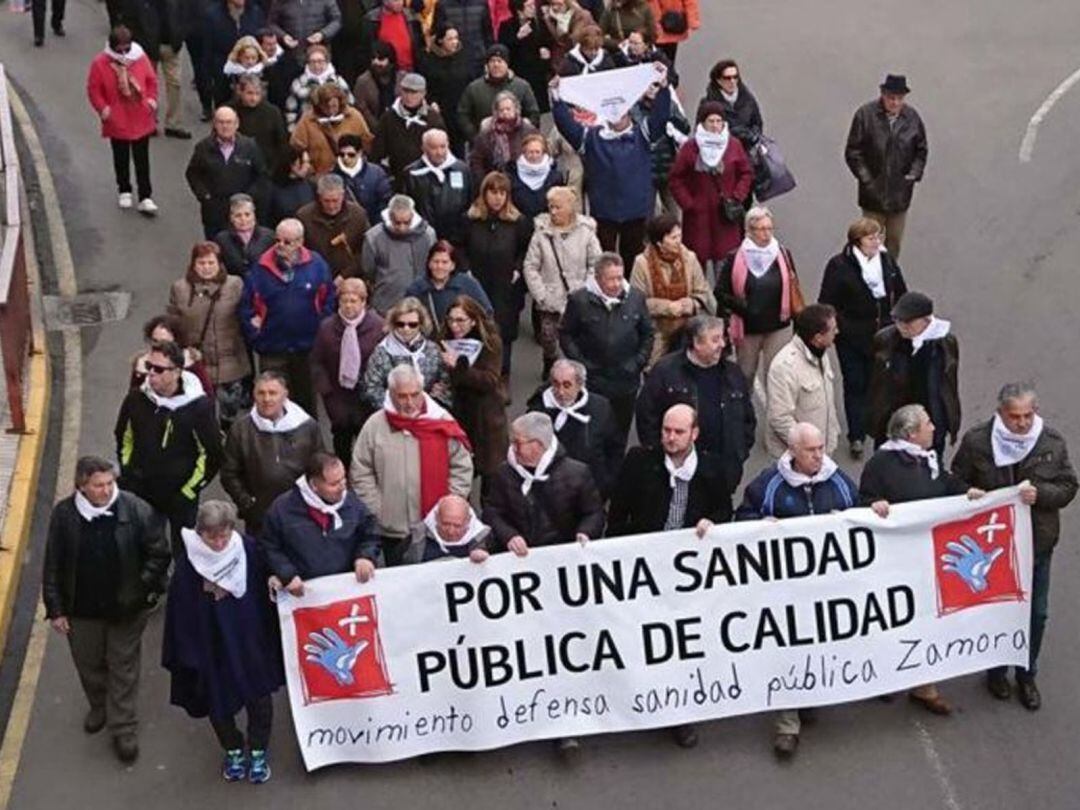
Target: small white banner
656,630
608,94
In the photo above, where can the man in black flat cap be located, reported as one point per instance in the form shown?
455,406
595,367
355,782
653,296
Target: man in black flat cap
916,361
886,151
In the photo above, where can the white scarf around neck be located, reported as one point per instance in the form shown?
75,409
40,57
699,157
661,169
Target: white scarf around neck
409,118
685,472
190,390
226,568
533,175
935,330
1011,448
432,409
395,348
312,499
477,528
128,58
355,170
608,301
872,273
539,474
292,417
320,78
439,169
587,65
571,411
711,145
912,449
760,259
798,479
89,512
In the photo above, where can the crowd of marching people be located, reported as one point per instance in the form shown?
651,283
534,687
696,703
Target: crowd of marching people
389,191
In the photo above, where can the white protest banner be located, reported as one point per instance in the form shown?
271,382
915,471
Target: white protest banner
608,94
656,630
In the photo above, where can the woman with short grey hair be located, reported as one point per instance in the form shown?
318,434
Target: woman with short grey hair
220,646
906,468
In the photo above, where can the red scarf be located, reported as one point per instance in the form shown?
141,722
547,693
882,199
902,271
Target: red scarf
434,437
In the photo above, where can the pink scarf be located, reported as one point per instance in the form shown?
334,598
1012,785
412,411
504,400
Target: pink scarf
349,364
739,270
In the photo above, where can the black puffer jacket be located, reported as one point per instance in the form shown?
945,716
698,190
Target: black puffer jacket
614,345
899,477
554,511
883,157
1047,466
141,545
642,496
672,382
858,314
597,442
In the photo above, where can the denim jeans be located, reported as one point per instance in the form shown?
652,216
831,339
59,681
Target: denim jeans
1040,607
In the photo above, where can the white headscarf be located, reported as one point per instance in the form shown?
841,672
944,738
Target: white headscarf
226,568
89,512
872,274
711,145
312,499
935,330
571,411
798,479
1011,448
685,472
540,473
759,259
912,449
292,417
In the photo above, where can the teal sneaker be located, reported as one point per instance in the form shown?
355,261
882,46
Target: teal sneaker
259,771
234,768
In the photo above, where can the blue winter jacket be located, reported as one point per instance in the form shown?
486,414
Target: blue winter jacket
769,495
618,171
437,302
291,307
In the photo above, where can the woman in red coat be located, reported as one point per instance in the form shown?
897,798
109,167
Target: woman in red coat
122,88
711,167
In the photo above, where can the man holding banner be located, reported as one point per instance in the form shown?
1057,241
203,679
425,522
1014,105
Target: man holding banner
1013,447
616,152
803,481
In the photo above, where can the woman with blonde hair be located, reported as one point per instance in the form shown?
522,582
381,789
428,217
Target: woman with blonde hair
560,257
472,353
496,238
407,342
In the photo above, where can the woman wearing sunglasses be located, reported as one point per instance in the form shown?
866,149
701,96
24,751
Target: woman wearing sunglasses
407,342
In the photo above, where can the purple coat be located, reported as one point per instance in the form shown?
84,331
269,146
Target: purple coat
346,409
225,653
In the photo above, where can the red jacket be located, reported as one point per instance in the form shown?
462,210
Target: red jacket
131,118
698,194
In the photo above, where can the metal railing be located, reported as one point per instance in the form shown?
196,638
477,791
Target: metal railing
16,338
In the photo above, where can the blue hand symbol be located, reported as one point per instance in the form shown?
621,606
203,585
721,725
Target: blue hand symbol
969,562
330,652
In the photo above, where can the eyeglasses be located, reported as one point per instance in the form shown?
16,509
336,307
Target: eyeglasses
407,324
729,77
154,368
348,153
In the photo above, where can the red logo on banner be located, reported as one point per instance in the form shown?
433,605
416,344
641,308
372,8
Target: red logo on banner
339,651
975,561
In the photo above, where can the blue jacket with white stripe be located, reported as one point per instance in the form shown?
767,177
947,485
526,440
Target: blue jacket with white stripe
769,495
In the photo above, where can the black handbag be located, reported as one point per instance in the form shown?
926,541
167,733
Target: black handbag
673,22
732,211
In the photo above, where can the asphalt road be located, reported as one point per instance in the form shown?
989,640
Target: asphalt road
992,239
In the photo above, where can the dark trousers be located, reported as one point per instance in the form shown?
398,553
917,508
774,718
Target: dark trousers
393,549
56,21
181,515
671,50
507,334
296,366
1040,609
196,52
260,714
124,152
343,444
855,368
622,408
625,238
108,656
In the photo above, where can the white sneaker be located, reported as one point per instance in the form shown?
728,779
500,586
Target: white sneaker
148,207
126,200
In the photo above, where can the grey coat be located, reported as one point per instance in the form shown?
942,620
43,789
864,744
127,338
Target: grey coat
302,18
391,262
